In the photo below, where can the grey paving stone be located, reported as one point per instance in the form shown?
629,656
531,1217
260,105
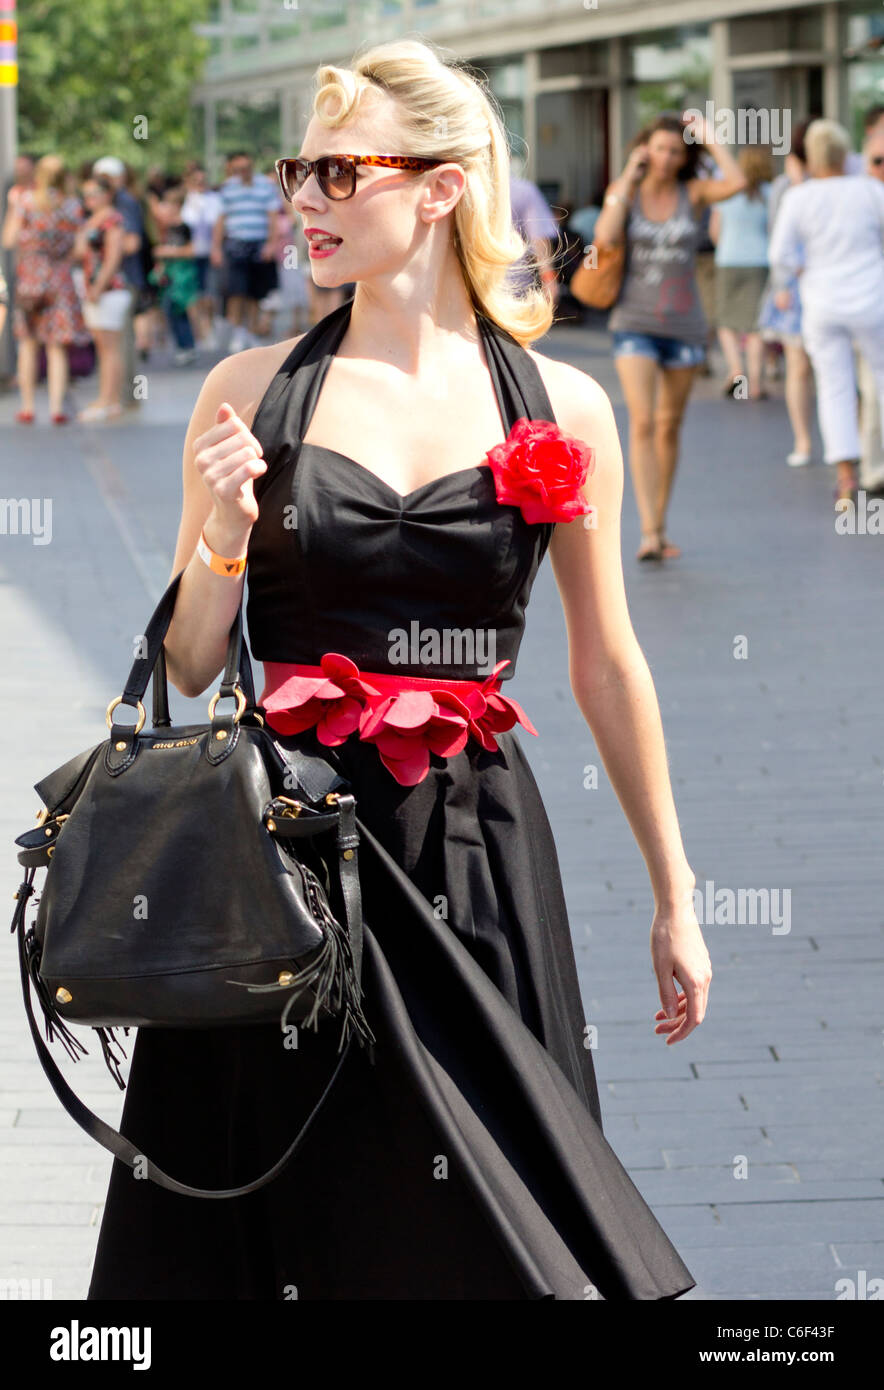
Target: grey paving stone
768,1271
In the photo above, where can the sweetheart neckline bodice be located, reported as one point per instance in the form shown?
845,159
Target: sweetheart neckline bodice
401,497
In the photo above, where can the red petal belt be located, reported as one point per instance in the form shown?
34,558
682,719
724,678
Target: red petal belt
406,717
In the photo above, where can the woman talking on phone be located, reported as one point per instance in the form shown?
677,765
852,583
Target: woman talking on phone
660,330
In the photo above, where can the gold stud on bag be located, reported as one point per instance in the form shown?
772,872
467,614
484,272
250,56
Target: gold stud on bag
188,890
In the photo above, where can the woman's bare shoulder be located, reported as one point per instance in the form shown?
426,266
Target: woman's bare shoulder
577,399
243,378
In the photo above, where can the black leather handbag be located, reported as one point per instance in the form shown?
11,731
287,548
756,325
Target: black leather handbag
196,876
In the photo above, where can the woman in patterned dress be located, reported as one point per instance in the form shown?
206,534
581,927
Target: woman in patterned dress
41,224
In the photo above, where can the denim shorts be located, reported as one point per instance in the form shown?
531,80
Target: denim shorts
669,352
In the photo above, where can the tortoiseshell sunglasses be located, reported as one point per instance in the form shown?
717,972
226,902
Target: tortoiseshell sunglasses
336,173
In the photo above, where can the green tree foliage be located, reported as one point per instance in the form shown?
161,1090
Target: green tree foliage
95,75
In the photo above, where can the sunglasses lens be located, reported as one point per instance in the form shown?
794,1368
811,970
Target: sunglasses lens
336,176
290,177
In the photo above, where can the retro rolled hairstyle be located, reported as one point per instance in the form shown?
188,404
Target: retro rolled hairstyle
446,113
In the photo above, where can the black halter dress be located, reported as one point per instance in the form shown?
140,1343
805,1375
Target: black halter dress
469,1162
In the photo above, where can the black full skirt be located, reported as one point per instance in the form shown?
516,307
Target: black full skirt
469,1161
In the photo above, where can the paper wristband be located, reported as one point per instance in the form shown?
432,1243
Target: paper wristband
219,563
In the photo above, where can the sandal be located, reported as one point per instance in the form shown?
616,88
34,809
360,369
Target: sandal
24,417
670,551
92,413
648,551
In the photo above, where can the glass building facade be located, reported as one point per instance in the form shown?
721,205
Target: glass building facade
575,80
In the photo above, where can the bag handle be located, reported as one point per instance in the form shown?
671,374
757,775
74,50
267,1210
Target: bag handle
316,776
117,1143
237,668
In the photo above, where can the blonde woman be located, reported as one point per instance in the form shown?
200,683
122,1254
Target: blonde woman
42,224
469,1161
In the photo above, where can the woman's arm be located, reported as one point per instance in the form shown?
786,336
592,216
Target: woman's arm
221,460
610,226
704,192
111,260
11,226
785,252
613,689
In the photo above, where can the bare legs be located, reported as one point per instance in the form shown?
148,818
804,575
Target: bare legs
110,371
56,376
729,340
26,367
798,392
656,399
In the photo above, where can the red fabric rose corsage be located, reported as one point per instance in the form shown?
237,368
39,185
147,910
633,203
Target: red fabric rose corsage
541,470
333,702
406,725
493,713
410,724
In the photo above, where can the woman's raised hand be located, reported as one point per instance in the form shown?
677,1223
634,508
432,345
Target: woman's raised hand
229,458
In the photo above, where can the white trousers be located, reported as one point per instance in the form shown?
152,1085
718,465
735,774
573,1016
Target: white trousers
830,341
871,467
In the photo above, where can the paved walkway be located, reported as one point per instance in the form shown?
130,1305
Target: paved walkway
759,1141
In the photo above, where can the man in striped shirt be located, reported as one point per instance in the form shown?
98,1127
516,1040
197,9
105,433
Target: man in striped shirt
242,242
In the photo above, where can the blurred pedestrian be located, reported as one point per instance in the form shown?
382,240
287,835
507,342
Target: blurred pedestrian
871,463
784,325
658,325
132,269
41,223
830,228
106,297
23,173
739,228
201,210
175,274
243,244
534,221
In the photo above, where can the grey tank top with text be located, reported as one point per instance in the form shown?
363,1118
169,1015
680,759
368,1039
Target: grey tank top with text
659,293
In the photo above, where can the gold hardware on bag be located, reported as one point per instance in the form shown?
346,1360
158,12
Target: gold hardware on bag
174,743
240,704
141,717
271,824
220,733
120,746
348,854
332,798
289,801
285,977
41,815
63,995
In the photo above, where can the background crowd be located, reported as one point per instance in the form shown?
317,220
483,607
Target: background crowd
782,274
108,268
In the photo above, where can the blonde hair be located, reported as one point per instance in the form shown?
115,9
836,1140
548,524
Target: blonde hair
50,176
825,145
446,113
